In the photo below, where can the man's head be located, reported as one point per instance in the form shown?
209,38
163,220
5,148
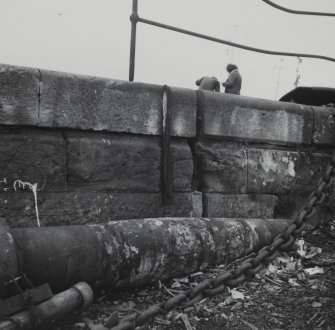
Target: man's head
231,67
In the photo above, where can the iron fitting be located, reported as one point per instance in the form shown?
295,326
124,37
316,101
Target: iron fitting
134,18
86,293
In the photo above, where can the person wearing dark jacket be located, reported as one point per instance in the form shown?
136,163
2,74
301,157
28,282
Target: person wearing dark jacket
208,84
234,82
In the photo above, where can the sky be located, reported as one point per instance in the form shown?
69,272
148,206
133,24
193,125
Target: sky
93,37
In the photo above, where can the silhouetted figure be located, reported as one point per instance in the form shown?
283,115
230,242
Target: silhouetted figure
234,82
208,84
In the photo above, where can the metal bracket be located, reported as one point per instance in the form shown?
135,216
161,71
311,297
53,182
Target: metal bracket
27,296
166,164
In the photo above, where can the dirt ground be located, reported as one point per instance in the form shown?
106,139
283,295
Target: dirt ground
296,291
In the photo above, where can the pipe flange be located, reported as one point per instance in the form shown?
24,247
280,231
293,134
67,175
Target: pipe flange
86,293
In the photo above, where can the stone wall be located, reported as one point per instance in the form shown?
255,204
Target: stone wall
93,146
261,158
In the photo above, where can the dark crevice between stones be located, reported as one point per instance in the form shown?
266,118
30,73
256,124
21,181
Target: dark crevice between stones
195,175
195,186
66,160
247,169
204,205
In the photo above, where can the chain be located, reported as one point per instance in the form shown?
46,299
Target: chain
249,267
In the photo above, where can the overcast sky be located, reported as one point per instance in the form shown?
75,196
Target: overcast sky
92,37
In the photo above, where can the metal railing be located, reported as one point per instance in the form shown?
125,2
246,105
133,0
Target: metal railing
135,18
299,12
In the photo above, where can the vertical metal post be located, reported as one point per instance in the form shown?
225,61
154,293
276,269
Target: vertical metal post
166,165
134,20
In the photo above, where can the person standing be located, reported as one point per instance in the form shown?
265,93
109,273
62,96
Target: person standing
234,82
208,84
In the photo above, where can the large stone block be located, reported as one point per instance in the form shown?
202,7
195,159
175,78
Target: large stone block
276,171
183,107
182,165
288,207
310,168
105,162
32,156
324,125
271,171
222,167
246,118
55,209
239,206
19,89
119,163
83,102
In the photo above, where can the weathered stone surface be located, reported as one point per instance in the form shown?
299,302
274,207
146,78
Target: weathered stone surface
121,163
19,88
183,105
240,117
182,165
222,167
55,209
324,125
124,163
310,168
83,102
32,156
271,171
276,171
288,206
239,206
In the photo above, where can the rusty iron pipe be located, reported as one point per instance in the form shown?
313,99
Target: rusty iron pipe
136,252
80,295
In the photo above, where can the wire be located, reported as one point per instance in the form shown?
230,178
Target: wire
300,12
233,44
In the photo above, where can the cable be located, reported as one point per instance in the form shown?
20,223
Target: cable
300,12
233,44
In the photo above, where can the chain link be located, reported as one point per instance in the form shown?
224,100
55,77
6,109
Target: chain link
247,268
